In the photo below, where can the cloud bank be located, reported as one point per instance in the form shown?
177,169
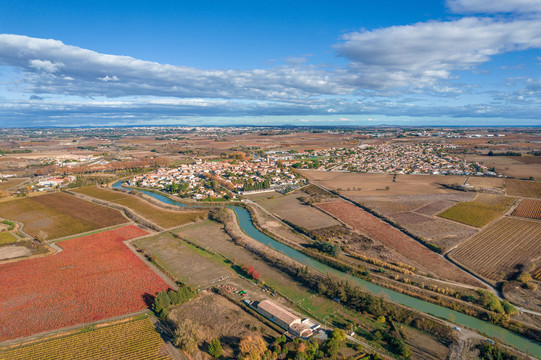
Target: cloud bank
413,70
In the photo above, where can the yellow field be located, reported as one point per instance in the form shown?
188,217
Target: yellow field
131,340
7,238
159,216
479,212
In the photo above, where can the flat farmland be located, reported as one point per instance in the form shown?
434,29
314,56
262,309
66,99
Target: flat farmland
381,184
10,183
59,214
130,340
426,204
486,182
479,212
159,216
189,264
508,166
378,230
523,188
95,277
501,248
529,209
292,210
443,233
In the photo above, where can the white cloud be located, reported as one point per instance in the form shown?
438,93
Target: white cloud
494,6
108,78
422,54
90,69
45,65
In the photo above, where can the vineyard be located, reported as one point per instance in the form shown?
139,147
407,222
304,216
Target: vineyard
59,214
95,277
378,230
159,216
501,249
479,212
131,340
529,209
523,188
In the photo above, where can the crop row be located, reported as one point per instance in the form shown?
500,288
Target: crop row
131,340
529,209
55,215
502,247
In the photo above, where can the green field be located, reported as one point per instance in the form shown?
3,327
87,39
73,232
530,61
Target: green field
479,212
130,340
159,216
7,238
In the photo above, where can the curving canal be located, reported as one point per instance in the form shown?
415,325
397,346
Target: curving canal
245,221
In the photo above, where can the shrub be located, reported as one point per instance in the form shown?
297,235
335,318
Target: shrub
215,348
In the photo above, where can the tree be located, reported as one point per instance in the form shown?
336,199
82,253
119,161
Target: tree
161,304
187,335
256,275
252,347
215,348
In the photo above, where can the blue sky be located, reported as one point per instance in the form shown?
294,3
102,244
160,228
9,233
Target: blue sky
454,62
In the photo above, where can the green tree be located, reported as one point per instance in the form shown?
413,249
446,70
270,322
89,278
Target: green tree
215,348
161,304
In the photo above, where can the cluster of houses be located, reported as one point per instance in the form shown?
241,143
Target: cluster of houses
230,175
410,158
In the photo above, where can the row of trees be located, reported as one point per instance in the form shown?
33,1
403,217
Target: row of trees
251,185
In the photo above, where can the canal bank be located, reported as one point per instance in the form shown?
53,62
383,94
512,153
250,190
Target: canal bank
505,336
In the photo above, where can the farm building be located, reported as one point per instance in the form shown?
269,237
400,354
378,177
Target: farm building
303,328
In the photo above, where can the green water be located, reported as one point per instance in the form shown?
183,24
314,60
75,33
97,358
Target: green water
529,346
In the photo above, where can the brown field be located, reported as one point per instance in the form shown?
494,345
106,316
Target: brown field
445,234
376,184
292,210
529,209
378,230
9,183
508,166
10,252
527,159
501,249
426,204
486,182
523,188
161,217
59,214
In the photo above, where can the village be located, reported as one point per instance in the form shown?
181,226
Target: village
220,179
411,158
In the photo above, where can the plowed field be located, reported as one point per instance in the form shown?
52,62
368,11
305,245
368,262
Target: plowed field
95,277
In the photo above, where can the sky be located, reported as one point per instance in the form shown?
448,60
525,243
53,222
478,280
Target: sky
408,63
